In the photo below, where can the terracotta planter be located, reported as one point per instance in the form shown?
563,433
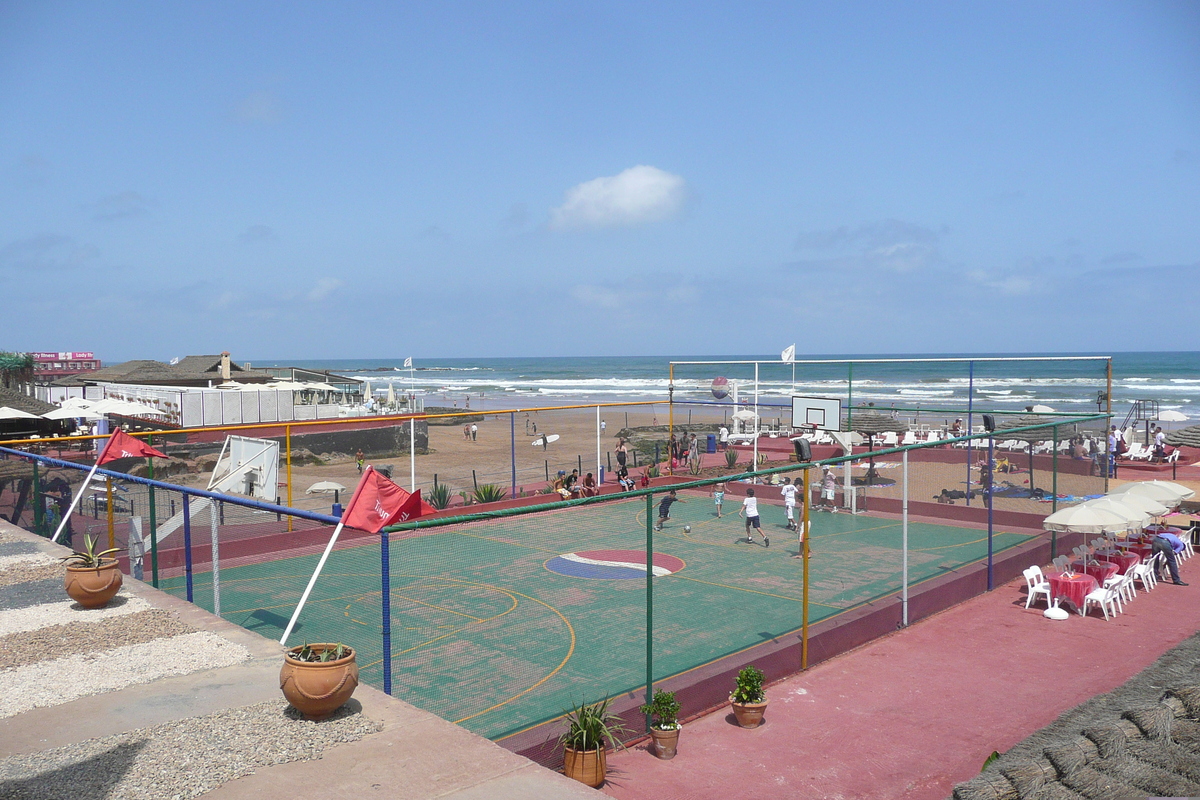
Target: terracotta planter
665,742
586,766
93,587
317,689
749,715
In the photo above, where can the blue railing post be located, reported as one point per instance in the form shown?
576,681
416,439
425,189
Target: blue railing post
187,545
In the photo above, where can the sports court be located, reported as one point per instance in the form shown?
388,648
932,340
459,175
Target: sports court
501,625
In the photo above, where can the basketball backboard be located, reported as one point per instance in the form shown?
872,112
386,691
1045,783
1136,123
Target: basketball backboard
822,413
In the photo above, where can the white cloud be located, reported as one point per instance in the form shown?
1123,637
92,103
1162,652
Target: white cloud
599,296
324,288
1010,285
636,196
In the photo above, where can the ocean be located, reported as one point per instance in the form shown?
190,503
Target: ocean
1170,378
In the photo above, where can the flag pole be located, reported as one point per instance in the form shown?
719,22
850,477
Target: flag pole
79,495
311,582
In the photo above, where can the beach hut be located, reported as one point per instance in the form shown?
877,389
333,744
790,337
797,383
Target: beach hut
1184,437
870,424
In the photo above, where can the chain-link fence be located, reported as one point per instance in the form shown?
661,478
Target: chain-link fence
500,620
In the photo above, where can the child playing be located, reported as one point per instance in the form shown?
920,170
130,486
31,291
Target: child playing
718,496
789,502
750,509
664,509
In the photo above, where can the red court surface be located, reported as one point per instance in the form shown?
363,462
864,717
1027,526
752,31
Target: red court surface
916,712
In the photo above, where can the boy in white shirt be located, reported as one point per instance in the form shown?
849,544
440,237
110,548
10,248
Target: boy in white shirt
749,510
788,490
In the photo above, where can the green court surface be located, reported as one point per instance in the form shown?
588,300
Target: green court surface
485,634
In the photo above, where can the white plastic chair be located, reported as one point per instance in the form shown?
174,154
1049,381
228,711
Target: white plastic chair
1123,586
1062,563
1037,584
1147,571
1107,599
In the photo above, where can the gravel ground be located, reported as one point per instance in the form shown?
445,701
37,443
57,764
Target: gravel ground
23,569
65,610
182,759
18,548
45,644
51,683
35,593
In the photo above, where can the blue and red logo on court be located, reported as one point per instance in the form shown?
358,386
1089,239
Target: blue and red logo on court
612,564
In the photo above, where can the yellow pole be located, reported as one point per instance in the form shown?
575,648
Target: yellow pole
112,536
670,413
288,439
804,552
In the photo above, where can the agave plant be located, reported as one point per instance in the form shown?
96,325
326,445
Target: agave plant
731,457
88,558
439,496
313,656
488,493
590,724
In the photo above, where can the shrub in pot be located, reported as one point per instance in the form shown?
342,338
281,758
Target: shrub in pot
663,710
92,578
318,679
748,699
589,725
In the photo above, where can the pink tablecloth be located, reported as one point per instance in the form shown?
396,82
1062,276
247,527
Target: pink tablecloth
1123,560
1100,570
1073,589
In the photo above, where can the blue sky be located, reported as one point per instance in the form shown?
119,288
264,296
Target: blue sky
311,180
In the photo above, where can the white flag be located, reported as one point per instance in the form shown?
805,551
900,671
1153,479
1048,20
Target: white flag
408,363
788,355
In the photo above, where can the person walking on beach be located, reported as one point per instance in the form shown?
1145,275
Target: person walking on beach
749,509
622,451
1113,439
664,509
1160,444
467,432
474,431
358,460
724,438
718,495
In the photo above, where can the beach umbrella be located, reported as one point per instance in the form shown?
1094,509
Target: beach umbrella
1004,431
870,424
391,396
366,391
77,402
324,487
1165,492
1184,437
1082,519
1041,409
15,413
72,412
1171,416
1136,518
1141,502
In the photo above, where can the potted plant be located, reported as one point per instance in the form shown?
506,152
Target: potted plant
588,725
748,698
92,578
318,679
663,710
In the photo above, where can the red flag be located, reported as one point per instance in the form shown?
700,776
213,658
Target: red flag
122,445
378,503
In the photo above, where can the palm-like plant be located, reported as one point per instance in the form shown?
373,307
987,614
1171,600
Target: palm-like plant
488,493
590,724
88,558
439,496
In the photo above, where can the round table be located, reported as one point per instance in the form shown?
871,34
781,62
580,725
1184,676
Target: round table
1073,588
1123,560
1100,570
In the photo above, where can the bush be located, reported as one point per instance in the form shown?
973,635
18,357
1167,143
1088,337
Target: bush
663,710
488,493
749,688
439,496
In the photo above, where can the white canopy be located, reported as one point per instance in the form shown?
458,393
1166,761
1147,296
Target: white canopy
320,487
1083,519
745,413
72,412
1136,518
15,413
1171,416
1141,502
111,405
1168,493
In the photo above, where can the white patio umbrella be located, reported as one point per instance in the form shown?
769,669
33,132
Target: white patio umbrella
16,413
1168,493
1135,517
1082,519
1171,416
1141,502
391,396
72,412
321,487
77,402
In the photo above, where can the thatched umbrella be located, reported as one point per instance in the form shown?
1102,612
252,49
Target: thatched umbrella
870,424
1187,437
1004,431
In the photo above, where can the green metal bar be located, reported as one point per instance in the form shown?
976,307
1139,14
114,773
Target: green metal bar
37,501
649,602
153,521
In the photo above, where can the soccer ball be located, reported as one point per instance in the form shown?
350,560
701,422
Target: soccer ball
687,528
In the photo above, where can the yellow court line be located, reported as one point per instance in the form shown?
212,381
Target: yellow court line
440,608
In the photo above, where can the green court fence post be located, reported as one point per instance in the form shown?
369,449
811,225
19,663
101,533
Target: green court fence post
153,521
37,501
649,602
1054,496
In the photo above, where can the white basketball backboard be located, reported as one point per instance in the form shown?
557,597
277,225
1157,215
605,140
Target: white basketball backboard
247,466
822,413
